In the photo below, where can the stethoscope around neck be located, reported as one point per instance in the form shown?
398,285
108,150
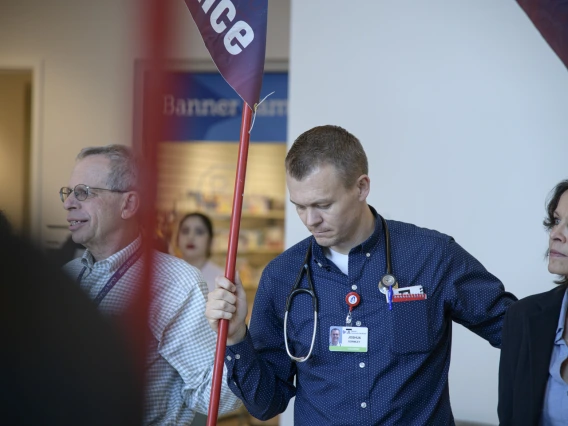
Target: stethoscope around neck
387,281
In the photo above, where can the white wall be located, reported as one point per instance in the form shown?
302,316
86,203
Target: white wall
461,107
88,50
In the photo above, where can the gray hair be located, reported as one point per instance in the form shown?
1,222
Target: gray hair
124,172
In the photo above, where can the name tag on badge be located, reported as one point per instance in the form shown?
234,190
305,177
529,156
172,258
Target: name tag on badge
348,339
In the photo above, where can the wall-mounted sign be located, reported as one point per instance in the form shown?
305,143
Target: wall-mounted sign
203,107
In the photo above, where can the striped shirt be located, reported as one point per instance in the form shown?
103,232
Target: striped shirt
182,345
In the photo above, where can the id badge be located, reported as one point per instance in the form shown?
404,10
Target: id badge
348,339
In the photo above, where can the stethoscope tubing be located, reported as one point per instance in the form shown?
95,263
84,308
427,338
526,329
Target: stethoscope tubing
301,358
310,290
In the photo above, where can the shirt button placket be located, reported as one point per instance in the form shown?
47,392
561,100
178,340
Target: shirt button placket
364,394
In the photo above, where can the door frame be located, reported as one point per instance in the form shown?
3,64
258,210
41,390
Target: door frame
36,67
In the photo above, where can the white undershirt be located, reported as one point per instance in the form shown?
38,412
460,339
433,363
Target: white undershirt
340,260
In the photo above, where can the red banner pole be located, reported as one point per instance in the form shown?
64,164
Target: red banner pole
230,262
154,30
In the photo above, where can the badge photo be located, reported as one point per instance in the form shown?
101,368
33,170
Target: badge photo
348,339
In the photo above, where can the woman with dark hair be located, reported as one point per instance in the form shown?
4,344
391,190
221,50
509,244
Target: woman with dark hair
193,241
533,371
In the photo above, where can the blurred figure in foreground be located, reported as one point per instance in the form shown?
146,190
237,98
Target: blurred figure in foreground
61,362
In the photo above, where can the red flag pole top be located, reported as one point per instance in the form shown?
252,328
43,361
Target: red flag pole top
234,33
154,27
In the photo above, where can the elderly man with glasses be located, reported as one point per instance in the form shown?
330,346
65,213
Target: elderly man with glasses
102,203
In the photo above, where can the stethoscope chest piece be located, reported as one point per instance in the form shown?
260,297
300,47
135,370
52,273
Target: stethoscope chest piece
387,281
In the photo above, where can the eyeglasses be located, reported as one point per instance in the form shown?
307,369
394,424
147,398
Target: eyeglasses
81,192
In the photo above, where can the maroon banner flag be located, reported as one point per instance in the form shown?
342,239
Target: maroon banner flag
234,32
550,17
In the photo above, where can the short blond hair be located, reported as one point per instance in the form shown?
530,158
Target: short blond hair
327,145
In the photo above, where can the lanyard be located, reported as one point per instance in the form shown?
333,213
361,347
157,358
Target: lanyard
115,277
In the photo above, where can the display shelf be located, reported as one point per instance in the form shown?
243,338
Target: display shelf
250,286
270,214
261,232
262,251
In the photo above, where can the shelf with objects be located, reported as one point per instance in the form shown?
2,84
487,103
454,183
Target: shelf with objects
261,233
199,177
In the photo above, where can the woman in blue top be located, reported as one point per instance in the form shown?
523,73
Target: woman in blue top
533,372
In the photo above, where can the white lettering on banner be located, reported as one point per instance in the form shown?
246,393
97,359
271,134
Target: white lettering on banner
220,26
181,107
206,5
236,34
239,36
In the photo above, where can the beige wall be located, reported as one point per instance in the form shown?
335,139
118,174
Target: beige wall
88,50
14,146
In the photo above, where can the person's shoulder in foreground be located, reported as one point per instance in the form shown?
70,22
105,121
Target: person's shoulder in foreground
534,302
62,362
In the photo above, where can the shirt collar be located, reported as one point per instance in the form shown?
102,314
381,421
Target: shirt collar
374,239
111,263
365,247
561,319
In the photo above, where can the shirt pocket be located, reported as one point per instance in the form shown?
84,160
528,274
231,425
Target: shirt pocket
410,327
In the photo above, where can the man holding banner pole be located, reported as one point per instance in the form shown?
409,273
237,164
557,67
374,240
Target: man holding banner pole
390,290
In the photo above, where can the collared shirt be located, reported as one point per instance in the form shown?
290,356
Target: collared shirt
555,408
182,347
403,377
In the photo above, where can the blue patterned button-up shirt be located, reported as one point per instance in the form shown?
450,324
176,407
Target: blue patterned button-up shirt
403,378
